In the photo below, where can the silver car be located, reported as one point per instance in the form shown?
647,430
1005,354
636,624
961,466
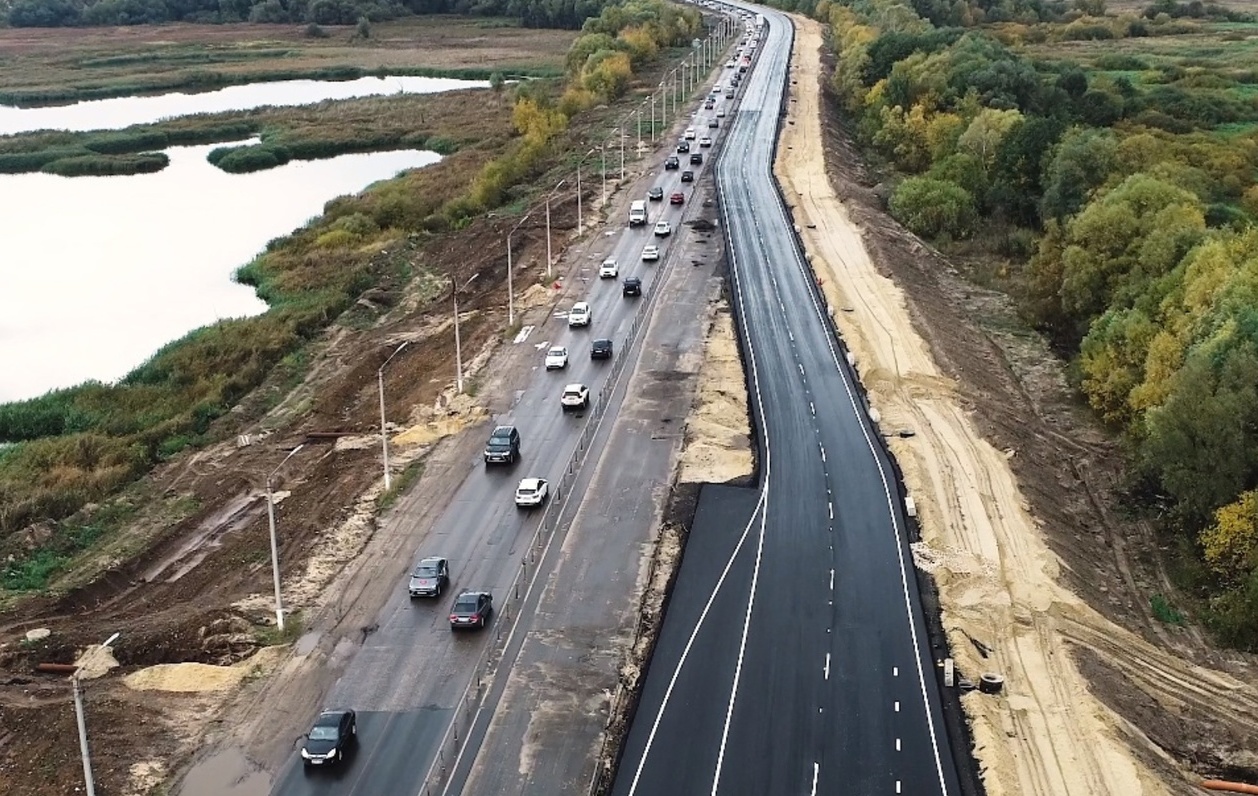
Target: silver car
429,577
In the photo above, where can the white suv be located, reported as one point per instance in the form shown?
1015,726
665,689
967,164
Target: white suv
579,315
608,269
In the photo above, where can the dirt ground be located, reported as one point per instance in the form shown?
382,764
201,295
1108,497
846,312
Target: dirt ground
1040,580
717,445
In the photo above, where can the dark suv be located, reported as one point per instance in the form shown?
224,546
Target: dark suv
671,163
632,286
503,446
696,159
601,349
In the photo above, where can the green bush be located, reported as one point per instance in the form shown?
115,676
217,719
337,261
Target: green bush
255,157
105,165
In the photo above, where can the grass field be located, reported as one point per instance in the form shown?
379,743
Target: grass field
66,64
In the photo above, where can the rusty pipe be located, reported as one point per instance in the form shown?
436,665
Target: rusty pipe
56,668
1228,787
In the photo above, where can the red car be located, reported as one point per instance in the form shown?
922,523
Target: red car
677,198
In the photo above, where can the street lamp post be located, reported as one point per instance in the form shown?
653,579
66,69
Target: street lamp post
384,435
458,343
652,117
622,152
549,259
580,222
275,556
76,686
510,274
602,153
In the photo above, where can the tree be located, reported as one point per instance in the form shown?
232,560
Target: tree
363,29
931,207
496,82
987,130
1081,163
1019,165
1230,544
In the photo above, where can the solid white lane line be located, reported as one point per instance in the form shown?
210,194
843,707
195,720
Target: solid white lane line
668,692
816,769
742,645
827,666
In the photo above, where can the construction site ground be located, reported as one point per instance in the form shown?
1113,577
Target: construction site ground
1042,580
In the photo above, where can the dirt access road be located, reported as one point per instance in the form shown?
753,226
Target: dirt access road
1038,580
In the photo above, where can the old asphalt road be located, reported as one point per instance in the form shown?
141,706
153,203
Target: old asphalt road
797,662
409,677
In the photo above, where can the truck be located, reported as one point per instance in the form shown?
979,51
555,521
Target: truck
637,213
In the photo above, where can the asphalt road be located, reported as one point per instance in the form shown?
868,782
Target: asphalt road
799,663
411,672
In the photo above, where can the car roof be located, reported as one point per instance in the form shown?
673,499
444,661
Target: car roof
603,340
330,718
629,279
500,430
581,305
556,348
432,560
530,483
574,386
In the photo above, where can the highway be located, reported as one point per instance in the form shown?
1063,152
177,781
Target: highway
411,673
794,656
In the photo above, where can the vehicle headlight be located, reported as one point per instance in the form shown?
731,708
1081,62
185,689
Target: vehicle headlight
305,754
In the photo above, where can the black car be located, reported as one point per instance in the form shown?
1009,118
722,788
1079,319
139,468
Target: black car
683,146
429,577
503,446
655,194
329,738
714,123
672,163
471,609
601,349
632,287
696,159
687,176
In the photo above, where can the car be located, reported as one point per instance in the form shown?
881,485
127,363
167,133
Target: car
655,194
687,176
503,446
696,159
557,358
720,114
579,315
712,125
601,349
650,253
429,577
730,65
709,105
677,198
531,492
632,286
663,229
575,396
608,269
689,134
671,163
705,141
330,738
471,609
683,147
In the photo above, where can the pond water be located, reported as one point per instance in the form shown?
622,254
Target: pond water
97,273
113,114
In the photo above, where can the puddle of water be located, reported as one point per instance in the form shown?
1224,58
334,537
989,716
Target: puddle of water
307,642
225,773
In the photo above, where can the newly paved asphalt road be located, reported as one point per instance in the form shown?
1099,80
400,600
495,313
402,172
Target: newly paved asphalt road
794,659
408,677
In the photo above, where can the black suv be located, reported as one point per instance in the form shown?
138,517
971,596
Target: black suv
683,146
696,159
329,738
601,349
632,287
503,446
687,176
655,194
672,163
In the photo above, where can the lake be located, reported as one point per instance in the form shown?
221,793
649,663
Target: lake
97,273
114,114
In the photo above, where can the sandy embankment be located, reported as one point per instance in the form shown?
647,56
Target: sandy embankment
718,435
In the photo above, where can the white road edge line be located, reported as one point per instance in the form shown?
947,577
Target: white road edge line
827,666
816,770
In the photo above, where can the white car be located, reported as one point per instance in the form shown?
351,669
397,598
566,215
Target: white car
557,358
650,253
608,269
705,141
720,113
531,492
690,134
579,315
575,396
662,230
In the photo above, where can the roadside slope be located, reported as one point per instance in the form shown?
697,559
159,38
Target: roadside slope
997,577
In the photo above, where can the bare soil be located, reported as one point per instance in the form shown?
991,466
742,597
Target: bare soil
1040,576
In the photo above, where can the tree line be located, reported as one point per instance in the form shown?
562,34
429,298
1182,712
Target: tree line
1126,198
567,14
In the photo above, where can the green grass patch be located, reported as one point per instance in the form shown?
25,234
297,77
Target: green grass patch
1164,612
33,569
271,636
108,165
400,483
